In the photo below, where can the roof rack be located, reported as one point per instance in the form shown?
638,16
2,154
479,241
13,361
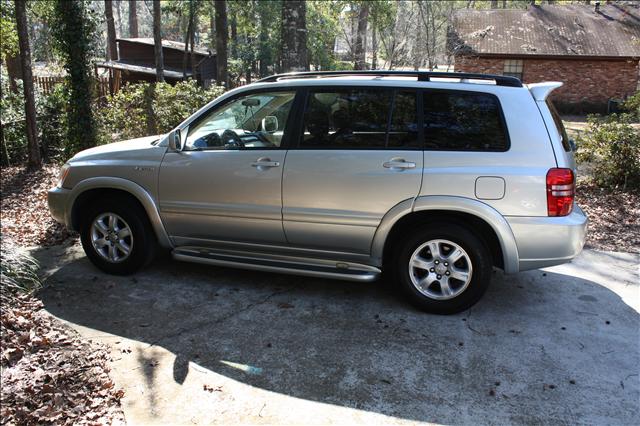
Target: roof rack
501,80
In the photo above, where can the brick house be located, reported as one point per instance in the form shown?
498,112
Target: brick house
593,49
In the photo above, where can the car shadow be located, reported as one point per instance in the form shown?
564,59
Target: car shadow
539,347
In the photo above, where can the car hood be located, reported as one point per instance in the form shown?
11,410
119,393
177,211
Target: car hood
118,149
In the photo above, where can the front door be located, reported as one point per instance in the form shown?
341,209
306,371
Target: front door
357,155
226,183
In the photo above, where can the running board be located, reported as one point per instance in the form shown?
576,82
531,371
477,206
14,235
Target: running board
277,263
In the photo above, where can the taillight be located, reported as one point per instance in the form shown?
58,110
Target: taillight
560,192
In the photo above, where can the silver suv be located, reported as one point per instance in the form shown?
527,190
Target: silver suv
433,178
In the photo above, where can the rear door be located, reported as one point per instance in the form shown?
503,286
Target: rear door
356,155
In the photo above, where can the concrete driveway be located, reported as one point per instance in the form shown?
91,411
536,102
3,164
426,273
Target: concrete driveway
195,344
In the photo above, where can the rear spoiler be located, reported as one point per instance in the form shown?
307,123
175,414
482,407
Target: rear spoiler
540,91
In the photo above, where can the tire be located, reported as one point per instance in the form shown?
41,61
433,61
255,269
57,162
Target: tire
126,214
455,294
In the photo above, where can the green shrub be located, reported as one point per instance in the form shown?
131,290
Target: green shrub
18,271
52,122
612,146
632,104
145,109
13,124
50,114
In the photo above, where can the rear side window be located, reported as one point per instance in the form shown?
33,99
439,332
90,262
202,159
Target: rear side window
559,125
403,129
463,121
360,119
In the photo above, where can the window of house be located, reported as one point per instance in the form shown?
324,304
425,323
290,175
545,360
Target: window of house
463,121
360,119
513,68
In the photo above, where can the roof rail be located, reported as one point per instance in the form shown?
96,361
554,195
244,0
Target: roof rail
501,80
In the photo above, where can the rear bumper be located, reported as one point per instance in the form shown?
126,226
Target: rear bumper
548,241
57,199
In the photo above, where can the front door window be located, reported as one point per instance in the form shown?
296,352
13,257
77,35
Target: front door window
255,121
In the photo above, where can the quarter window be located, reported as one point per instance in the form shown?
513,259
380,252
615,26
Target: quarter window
513,68
360,119
457,121
557,120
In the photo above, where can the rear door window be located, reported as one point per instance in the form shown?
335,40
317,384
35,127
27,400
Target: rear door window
403,128
463,121
360,119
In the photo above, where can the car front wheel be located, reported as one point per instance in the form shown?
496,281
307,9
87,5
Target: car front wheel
443,268
117,237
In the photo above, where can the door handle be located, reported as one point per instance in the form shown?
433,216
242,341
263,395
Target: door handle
398,163
264,163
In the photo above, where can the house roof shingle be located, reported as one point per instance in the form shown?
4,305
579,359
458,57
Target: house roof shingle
137,68
549,30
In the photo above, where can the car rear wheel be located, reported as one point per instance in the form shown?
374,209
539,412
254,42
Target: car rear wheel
117,237
443,268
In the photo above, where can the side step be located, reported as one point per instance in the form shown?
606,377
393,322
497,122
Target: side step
277,263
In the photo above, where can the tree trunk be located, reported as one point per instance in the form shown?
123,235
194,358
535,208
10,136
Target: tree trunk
247,74
222,36
112,48
504,4
374,44
192,41
417,50
133,19
361,38
14,72
212,27
119,18
157,42
494,4
264,55
234,36
187,40
4,152
72,28
27,83
294,36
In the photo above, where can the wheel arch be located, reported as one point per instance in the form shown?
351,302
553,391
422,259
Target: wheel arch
90,189
473,214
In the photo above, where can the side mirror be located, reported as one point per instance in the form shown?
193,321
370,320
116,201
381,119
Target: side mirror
270,123
175,140
573,145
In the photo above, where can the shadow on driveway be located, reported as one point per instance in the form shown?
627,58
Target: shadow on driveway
541,347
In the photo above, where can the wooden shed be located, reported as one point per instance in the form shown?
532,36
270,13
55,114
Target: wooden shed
136,63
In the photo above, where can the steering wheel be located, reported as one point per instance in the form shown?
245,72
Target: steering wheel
230,139
208,141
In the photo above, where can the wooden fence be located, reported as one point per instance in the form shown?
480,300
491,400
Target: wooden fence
46,84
